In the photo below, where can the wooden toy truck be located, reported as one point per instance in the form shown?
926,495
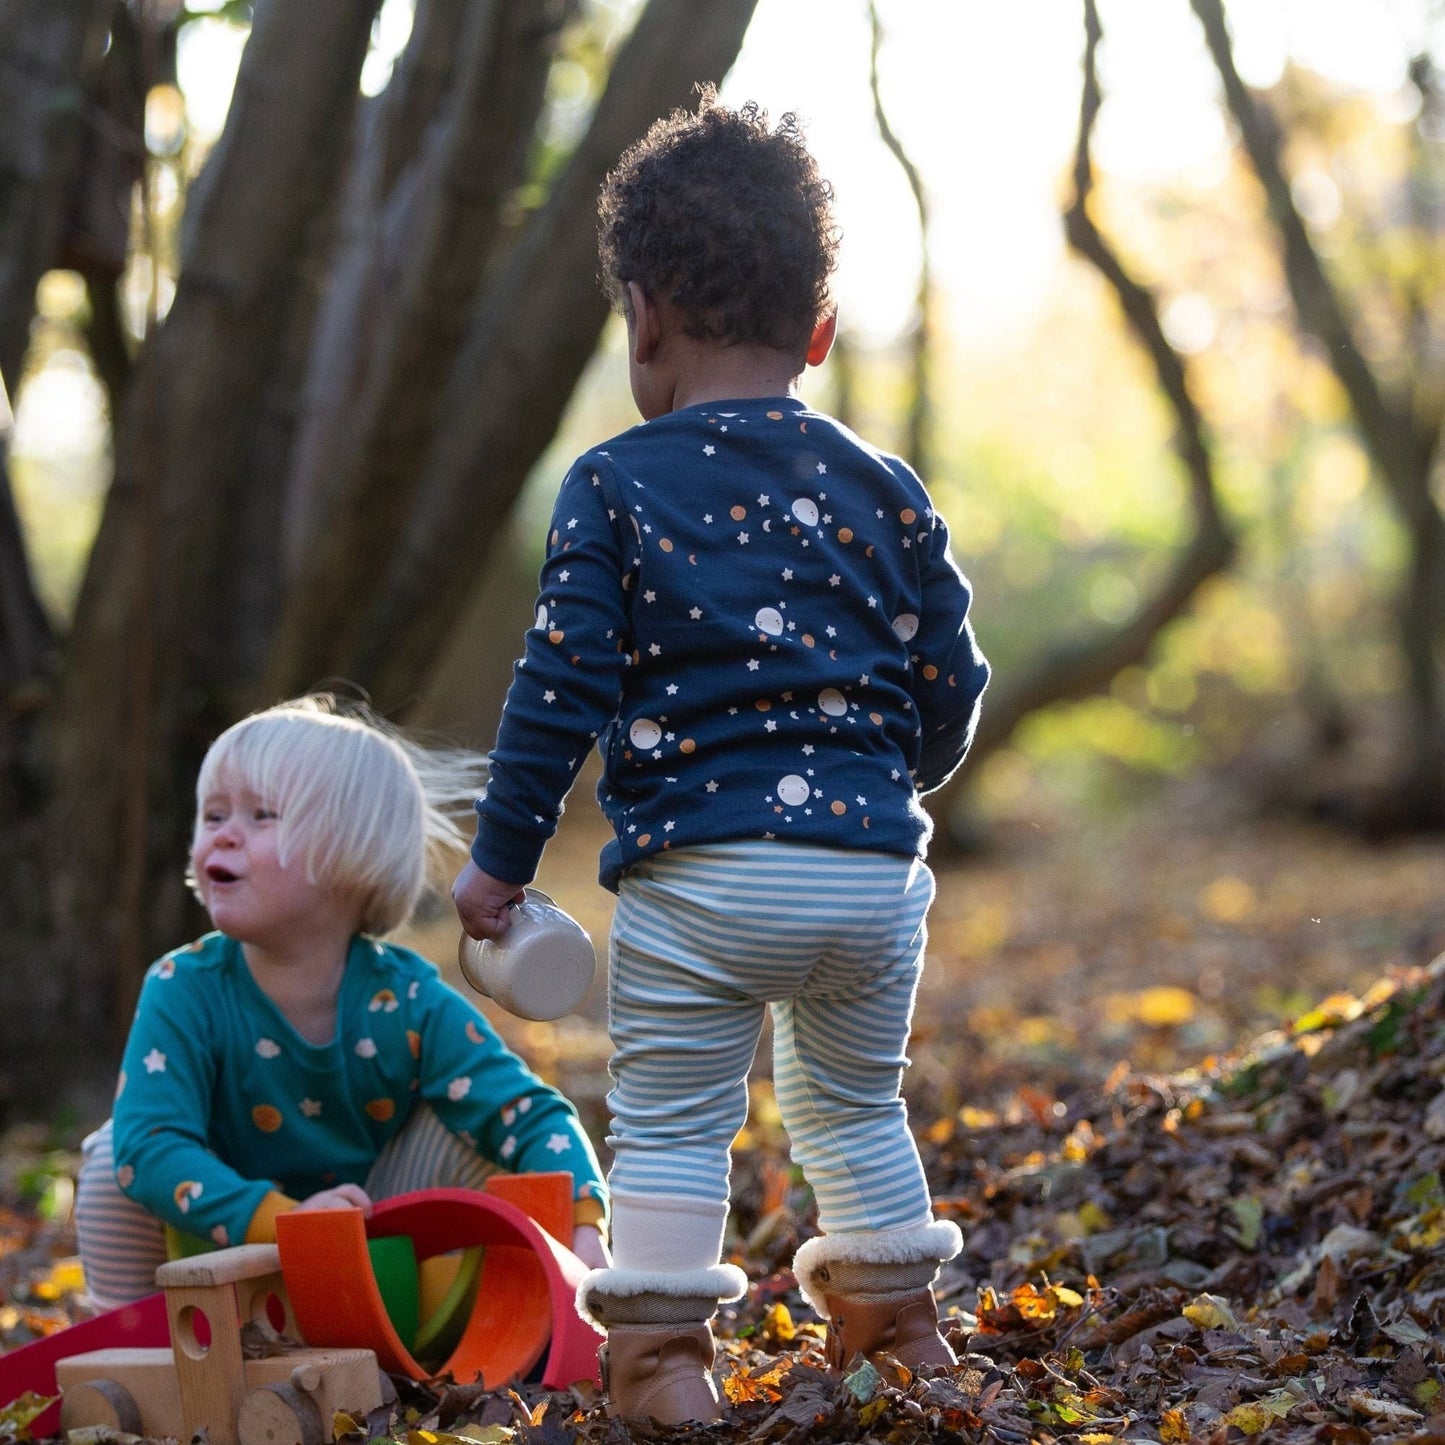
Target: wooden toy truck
203,1381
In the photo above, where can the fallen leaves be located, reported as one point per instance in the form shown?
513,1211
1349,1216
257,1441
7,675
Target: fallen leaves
1250,1249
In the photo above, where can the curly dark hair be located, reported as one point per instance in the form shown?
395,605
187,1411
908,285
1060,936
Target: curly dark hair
728,220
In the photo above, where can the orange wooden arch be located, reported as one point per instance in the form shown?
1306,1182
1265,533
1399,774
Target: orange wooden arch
526,1296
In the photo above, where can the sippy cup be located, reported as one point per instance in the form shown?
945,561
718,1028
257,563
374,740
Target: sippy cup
543,966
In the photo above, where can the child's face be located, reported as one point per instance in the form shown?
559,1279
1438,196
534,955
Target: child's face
249,893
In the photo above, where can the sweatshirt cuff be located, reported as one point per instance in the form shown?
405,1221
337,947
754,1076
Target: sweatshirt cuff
508,854
262,1228
589,1211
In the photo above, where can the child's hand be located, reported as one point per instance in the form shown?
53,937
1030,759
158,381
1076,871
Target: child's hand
482,901
343,1196
589,1246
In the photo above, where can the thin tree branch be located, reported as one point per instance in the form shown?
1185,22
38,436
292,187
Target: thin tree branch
1079,669
1402,445
919,443
1385,421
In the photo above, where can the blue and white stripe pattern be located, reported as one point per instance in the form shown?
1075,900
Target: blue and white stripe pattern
703,942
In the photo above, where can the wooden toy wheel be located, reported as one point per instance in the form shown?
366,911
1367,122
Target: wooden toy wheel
280,1415
101,1402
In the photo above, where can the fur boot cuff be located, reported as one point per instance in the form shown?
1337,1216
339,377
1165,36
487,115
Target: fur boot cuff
718,1283
938,1240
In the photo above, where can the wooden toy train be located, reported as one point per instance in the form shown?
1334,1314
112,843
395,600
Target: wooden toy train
350,1289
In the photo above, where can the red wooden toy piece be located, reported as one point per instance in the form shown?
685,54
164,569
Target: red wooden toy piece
138,1325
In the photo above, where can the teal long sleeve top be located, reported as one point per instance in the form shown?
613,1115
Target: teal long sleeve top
221,1102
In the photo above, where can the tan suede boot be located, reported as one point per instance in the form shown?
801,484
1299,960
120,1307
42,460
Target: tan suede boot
661,1373
658,1360
875,1292
901,1323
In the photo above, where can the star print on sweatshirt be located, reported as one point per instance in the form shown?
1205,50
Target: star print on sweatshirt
757,619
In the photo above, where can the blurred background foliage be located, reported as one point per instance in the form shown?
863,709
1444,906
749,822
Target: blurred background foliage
1050,445
1052,458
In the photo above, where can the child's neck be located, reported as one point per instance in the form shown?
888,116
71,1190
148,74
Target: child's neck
707,372
302,977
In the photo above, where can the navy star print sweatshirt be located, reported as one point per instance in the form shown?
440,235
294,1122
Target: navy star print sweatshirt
756,617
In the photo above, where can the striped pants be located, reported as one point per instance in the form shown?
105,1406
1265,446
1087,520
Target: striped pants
121,1242
704,942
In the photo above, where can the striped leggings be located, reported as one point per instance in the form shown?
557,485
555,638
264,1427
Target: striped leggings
704,942
122,1242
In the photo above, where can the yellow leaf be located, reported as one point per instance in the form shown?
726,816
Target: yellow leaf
1173,1427
488,1434
19,1414
344,1423
1065,1297
872,1410
1227,900
65,1278
1210,1312
1251,1418
1164,1008
1256,1415
779,1323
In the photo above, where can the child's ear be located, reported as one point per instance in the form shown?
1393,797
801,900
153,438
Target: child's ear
645,329
821,342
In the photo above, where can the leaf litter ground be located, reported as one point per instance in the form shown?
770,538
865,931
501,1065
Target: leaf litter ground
1237,1233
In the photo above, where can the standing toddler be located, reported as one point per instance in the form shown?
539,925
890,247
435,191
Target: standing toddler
756,617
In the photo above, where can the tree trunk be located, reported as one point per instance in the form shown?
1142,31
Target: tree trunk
418,254
50,55
1401,432
188,576
151,654
534,330
918,440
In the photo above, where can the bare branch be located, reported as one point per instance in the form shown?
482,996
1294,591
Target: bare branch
920,411
1385,421
1080,669
1404,447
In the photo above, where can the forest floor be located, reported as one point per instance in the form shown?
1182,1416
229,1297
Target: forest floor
1179,1075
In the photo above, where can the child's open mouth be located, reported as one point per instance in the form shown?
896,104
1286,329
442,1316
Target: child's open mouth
218,874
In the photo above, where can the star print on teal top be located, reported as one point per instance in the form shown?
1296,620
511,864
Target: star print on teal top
221,1100
757,619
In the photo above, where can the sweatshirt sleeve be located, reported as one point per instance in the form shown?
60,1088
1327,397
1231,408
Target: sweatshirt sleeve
161,1109
566,687
949,671
485,1095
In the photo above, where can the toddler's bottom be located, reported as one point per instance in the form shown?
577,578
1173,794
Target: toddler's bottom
706,941
121,1243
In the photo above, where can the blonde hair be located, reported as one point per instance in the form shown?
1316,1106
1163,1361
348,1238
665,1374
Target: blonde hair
360,807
